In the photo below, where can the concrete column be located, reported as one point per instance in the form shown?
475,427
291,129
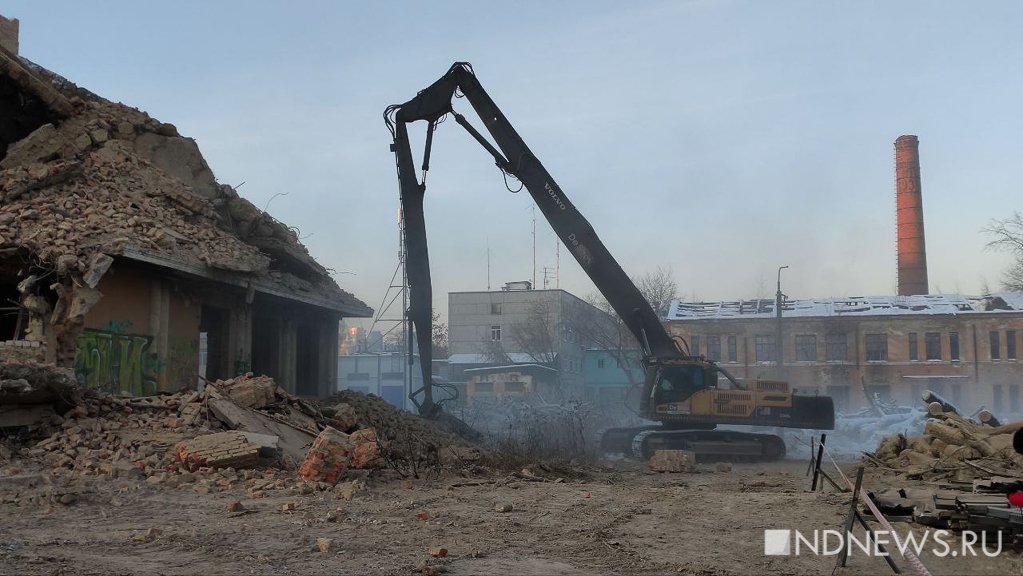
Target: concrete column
239,340
328,357
288,355
159,327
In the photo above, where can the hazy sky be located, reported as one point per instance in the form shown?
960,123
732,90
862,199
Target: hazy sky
720,138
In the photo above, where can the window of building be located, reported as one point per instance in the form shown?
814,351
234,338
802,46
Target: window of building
358,375
714,348
1010,344
837,347
806,348
996,395
953,346
484,387
694,345
877,347
733,354
1014,397
600,363
996,352
765,347
495,333
914,353
495,307
932,345
515,387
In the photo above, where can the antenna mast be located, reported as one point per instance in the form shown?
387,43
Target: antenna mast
534,245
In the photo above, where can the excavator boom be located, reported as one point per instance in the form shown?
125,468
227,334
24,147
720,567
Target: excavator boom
514,157
680,391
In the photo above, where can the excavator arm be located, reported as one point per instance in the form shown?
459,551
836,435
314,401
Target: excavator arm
513,157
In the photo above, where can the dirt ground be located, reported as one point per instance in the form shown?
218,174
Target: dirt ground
618,519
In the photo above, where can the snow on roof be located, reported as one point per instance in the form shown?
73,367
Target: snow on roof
515,357
850,306
513,368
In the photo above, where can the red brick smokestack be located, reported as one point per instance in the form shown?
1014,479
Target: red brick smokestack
912,274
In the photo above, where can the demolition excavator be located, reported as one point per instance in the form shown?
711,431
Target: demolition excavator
688,396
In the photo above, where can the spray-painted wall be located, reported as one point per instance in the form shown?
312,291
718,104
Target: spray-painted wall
142,336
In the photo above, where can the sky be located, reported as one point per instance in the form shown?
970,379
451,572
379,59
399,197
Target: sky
720,139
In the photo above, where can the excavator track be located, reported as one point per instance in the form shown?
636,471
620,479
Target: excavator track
707,445
710,445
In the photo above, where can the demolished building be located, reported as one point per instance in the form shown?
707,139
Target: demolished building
123,257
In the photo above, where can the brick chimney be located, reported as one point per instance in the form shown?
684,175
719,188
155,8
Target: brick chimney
9,34
912,255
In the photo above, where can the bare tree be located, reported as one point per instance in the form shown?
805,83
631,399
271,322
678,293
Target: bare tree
440,337
1008,237
538,335
492,352
659,288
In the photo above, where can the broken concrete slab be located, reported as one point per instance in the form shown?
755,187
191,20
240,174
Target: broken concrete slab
38,384
19,415
268,444
293,442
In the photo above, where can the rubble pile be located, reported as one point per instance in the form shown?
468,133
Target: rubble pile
69,192
406,436
952,448
239,432
973,469
89,180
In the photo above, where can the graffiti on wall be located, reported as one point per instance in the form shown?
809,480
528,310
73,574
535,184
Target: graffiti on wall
116,361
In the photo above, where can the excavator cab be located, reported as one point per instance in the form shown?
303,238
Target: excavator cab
677,383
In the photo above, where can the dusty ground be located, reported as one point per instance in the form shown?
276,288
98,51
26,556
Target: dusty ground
620,520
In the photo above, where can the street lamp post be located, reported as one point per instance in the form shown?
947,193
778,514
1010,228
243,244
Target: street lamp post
779,349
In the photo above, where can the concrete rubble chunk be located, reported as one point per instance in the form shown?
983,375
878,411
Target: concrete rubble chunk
39,146
98,266
252,392
329,457
219,450
672,461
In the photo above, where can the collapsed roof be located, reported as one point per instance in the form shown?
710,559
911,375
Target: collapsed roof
83,179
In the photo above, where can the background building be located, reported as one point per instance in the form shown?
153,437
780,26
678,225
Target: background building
963,348
518,325
607,381
383,374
